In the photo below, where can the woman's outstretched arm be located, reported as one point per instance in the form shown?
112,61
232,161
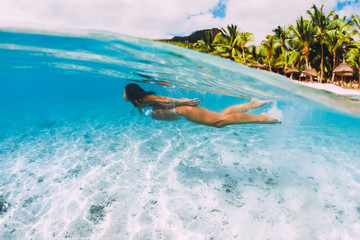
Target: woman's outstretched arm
167,102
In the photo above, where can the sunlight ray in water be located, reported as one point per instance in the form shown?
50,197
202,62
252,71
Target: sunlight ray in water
78,162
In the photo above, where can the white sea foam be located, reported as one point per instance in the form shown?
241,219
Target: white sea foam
275,112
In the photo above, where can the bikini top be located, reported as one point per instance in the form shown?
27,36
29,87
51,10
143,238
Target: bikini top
147,111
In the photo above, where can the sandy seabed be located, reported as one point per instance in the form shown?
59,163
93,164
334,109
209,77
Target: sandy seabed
109,178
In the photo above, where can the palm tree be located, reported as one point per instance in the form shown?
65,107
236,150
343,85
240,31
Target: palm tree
203,46
206,42
282,60
356,20
282,37
254,54
334,43
227,41
320,23
337,39
303,37
354,57
245,37
268,46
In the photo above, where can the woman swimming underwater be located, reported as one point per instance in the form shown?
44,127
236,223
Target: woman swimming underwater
171,109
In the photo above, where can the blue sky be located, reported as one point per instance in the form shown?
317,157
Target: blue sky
348,7
163,18
341,4
220,10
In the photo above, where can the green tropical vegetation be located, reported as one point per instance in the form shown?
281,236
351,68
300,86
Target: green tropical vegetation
319,43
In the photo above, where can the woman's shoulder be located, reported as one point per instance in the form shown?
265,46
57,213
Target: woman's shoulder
146,101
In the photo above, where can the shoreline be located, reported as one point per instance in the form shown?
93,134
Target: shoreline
331,88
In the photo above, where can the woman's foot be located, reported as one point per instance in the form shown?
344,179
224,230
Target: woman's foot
255,103
270,120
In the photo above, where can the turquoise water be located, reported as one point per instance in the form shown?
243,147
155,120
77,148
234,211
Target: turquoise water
78,162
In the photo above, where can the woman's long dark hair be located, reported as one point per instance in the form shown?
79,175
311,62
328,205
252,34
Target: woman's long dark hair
135,92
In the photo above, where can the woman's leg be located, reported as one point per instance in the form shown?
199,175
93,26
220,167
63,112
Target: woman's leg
254,103
246,118
203,116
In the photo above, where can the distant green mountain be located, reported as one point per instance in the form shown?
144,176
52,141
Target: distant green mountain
207,35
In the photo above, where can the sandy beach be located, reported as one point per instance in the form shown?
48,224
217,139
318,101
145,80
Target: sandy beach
331,88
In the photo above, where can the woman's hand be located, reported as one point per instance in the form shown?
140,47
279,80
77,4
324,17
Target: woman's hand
190,102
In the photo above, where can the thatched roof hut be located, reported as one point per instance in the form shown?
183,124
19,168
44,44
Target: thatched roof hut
291,70
258,65
344,69
310,71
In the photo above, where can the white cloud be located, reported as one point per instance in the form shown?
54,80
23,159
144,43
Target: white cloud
155,18
349,10
145,18
262,16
